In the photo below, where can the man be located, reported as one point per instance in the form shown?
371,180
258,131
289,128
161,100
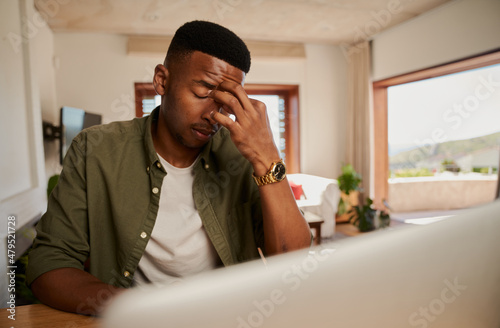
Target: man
214,195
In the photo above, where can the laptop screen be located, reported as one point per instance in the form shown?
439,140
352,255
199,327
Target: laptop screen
444,274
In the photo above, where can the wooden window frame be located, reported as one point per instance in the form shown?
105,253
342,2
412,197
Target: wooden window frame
142,90
380,111
290,94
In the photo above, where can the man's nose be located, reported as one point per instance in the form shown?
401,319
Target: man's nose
212,107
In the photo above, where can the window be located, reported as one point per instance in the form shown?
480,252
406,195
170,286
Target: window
454,125
146,99
438,131
283,110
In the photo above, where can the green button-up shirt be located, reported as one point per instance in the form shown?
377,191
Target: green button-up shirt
105,204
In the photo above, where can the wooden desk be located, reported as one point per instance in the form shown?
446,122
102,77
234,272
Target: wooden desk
316,225
347,229
350,230
315,222
42,316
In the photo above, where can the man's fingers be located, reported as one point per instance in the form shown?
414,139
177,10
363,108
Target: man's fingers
223,112
238,91
228,103
223,120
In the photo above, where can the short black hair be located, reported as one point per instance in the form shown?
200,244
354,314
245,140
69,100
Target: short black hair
211,39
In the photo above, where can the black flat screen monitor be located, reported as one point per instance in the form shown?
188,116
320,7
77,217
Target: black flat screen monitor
74,120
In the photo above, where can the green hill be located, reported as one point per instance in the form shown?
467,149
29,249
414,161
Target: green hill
441,151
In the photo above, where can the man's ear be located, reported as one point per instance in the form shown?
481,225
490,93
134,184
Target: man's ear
160,79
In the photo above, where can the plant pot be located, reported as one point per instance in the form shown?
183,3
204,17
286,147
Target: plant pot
349,201
367,223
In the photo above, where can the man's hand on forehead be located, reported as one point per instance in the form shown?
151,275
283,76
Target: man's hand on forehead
250,132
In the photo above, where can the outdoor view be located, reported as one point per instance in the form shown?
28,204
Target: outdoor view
444,141
446,125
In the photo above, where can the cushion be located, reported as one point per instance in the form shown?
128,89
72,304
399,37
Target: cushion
296,189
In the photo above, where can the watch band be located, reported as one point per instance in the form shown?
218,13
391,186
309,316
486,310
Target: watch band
265,179
270,177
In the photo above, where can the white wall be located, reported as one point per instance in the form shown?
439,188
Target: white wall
44,65
446,192
43,43
323,116
96,74
22,187
459,29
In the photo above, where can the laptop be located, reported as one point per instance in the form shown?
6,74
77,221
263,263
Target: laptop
445,274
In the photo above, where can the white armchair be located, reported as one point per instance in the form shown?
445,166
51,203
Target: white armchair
320,198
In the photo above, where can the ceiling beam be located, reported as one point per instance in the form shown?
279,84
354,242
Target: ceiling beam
157,46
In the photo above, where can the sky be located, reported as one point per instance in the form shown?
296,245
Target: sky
453,107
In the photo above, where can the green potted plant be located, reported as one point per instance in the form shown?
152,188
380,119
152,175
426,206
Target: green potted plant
363,216
349,182
366,217
384,219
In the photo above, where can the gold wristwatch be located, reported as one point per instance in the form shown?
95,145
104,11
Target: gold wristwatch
276,173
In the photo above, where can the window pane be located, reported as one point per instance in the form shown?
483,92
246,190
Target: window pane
149,103
276,113
445,124
447,129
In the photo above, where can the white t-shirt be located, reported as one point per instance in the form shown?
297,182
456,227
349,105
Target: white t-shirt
179,245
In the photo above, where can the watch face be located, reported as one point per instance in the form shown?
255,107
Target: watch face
279,171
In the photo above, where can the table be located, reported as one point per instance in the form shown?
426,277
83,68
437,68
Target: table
316,225
314,222
347,229
42,316
350,230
